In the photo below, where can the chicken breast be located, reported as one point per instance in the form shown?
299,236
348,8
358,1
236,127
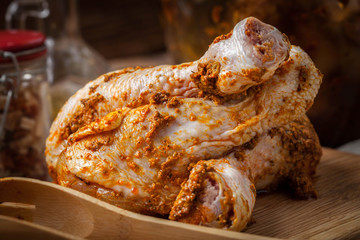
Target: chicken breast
194,141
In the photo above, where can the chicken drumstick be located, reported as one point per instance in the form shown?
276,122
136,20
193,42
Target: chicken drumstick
194,141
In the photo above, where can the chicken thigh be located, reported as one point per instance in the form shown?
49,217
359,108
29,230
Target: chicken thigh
194,142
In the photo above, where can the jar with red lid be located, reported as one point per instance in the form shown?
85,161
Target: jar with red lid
24,103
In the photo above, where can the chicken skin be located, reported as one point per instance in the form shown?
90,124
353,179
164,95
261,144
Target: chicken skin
194,142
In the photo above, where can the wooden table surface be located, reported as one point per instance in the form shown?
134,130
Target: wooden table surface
334,215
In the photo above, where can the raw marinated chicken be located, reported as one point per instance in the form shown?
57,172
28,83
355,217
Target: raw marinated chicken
194,142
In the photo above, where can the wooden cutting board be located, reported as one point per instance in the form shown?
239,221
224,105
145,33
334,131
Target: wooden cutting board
334,215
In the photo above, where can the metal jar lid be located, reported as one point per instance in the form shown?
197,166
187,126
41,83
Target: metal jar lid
24,44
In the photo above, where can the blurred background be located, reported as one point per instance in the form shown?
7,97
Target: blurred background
86,38
114,28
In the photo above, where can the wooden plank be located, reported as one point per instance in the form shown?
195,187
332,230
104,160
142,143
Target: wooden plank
334,215
63,210
12,228
17,210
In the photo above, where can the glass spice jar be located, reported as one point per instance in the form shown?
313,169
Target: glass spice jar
24,104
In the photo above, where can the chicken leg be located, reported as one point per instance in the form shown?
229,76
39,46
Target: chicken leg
194,141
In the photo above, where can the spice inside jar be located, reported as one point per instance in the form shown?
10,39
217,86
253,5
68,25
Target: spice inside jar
24,104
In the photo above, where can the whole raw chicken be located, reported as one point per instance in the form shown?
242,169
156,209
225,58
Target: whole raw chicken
194,142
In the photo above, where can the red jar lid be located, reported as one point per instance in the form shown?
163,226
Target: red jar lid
20,42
